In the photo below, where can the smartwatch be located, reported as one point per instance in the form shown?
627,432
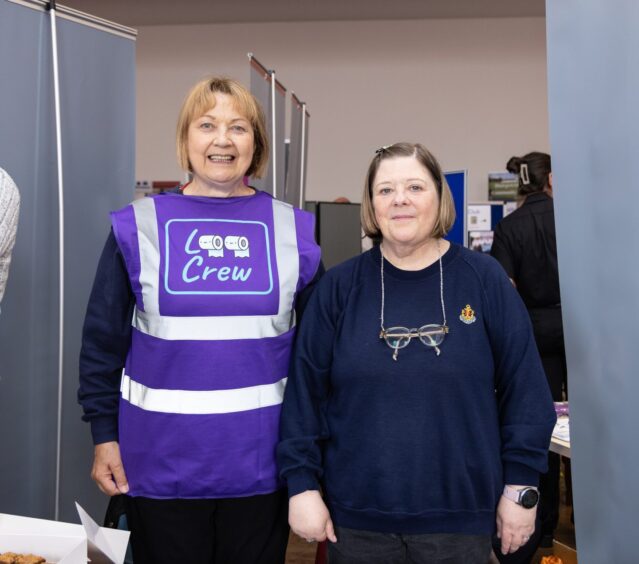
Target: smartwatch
526,497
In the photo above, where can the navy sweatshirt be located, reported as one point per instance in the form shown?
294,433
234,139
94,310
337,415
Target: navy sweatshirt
426,443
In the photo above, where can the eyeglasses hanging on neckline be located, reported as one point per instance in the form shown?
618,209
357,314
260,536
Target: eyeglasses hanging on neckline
399,337
431,335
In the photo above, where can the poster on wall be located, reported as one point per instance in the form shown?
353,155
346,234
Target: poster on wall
502,186
479,217
509,207
480,241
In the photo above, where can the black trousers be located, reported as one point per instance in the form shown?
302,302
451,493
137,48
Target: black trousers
369,547
555,367
248,530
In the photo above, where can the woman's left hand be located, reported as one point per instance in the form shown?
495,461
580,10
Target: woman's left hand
515,524
309,518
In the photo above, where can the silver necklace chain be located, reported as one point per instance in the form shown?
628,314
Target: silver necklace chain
441,283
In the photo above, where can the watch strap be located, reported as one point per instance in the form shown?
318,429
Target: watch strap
514,494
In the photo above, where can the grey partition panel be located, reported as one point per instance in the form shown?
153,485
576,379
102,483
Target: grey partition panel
97,92
307,124
294,161
261,89
338,231
29,319
593,78
280,137
97,73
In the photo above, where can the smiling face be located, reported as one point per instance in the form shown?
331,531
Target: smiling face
405,202
220,147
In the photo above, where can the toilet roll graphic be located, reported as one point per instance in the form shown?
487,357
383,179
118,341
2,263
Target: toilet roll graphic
238,244
215,245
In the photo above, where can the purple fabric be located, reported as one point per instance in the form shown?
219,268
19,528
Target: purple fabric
194,227
199,456
208,365
125,232
221,455
309,251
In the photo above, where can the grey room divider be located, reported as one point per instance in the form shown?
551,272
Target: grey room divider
272,96
337,230
593,80
97,91
296,166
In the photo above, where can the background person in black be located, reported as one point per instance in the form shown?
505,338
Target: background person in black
525,245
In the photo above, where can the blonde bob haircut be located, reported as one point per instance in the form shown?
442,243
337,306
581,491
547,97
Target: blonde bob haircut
201,98
445,213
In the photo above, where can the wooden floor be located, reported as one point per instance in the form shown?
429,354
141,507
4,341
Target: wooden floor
301,552
565,545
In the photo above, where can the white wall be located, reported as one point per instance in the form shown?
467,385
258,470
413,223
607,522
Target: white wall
473,91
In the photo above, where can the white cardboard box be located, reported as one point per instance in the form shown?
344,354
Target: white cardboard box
63,543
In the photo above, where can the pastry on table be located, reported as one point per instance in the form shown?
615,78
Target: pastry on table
14,558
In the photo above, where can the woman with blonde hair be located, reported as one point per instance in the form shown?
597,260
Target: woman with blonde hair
187,341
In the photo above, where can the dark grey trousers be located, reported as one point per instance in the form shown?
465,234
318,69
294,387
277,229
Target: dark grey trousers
368,547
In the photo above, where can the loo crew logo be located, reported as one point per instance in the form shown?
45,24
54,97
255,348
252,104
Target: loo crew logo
217,256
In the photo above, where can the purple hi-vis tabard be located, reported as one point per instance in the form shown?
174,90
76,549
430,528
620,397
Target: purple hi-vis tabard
215,281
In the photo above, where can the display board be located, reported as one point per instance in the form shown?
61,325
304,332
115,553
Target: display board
97,87
482,219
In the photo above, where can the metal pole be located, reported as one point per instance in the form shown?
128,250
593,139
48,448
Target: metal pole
274,137
302,157
58,138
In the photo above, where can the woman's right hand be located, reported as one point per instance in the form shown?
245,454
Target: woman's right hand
108,471
309,517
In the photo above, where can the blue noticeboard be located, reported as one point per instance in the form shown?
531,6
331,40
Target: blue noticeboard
457,183
496,214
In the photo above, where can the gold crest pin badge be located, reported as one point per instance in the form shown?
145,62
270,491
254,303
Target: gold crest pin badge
467,315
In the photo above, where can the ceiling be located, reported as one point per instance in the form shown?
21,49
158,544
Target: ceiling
135,13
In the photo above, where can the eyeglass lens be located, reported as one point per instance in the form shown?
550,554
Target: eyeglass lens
399,337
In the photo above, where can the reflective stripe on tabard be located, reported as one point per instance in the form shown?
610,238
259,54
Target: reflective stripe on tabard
207,402
211,328
288,260
148,242
218,328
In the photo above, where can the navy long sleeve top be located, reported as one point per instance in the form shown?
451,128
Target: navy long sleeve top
106,338
424,443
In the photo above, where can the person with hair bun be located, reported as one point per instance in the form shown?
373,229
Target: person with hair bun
408,395
525,245
187,340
